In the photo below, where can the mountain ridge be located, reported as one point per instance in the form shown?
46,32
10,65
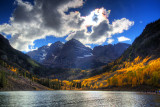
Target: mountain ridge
73,54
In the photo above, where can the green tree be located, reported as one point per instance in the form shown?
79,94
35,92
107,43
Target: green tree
155,78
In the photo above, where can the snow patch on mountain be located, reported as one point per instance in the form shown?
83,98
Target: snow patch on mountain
89,55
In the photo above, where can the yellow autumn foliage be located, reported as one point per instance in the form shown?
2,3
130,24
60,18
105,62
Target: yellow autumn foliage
137,72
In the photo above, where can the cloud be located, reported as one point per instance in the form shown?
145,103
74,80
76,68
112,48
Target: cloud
88,46
49,44
122,38
109,41
120,25
98,35
96,17
32,48
102,31
30,22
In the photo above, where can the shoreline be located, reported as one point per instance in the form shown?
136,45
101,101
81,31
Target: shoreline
149,92
141,89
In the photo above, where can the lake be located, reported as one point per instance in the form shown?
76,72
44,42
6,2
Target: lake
78,99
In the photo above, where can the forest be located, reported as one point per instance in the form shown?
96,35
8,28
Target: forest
139,72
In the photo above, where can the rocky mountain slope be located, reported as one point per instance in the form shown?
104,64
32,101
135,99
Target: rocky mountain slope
40,54
73,54
108,53
70,53
53,52
147,44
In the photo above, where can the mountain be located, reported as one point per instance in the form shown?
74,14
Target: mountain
138,68
72,50
109,53
73,54
147,44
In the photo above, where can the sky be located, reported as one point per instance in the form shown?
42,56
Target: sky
30,24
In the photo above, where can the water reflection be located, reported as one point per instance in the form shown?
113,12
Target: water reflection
78,99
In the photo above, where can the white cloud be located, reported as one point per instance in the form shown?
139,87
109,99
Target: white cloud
122,38
109,41
120,25
32,49
88,46
102,31
96,17
30,22
49,44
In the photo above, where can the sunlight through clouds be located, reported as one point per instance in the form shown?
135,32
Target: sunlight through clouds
96,17
30,22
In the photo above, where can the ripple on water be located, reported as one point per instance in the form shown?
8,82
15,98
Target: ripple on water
78,99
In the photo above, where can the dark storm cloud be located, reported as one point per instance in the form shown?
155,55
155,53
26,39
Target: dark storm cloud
50,11
23,12
100,30
97,36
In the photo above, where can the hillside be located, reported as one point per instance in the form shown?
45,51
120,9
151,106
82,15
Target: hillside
138,66
147,44
10,81
17,70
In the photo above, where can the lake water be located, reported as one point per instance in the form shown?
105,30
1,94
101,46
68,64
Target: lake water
77,99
